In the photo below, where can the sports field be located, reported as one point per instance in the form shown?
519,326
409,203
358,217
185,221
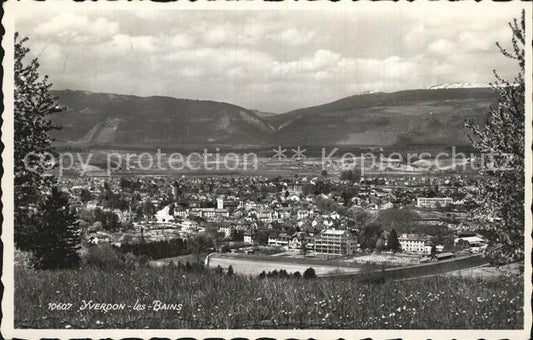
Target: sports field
254,265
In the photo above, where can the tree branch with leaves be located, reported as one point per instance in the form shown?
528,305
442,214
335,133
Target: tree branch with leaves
44,223
501,143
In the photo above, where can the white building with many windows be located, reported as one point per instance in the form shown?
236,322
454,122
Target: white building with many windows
415,243
338,242
432,202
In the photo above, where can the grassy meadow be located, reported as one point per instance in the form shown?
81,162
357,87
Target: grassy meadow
210,299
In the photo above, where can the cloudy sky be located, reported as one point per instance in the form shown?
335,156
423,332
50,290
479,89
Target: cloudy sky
268,60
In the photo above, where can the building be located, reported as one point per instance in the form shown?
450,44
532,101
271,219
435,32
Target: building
428,221
301,214
281,215
220,203
164,215
209,212
338,242
295,243
387,205
473,241
189,225
295,189
279,240
415,243
227,230
433,202
249,237
264,215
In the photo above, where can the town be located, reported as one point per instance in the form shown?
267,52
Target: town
393,220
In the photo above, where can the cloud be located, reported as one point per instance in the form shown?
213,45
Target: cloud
441,47
294,37
75,29
229,33
270,60
124,43
180,40
321,60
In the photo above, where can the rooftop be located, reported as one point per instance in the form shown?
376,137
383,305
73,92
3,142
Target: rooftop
334,232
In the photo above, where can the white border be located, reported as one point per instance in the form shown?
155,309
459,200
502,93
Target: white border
7,323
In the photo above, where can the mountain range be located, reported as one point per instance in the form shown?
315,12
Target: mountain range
432,116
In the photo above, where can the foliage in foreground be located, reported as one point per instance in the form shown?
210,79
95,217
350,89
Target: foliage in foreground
32,109
501,141
215,300
44,223
59,237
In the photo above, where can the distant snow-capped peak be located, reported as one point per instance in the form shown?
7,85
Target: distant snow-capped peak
457,86
367,92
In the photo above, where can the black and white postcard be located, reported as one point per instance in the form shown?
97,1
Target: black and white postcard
297,169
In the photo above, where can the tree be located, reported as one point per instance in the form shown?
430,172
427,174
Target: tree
347,175
58,232
85,195
359,216
283,273
392,241
309,273
262,236
501,141
303,247
370,235
380,244
110,221
32,157
237,235
198,244
433,250
171,209
399,219
352,175
148,208
345,197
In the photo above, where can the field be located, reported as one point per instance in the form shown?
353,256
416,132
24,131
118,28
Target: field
291,262
263,162
249,266
210,299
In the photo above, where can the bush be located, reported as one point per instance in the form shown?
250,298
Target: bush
197,267
143,260
296,275
309,273
156,250
230,270
131,260
23,259
104,257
